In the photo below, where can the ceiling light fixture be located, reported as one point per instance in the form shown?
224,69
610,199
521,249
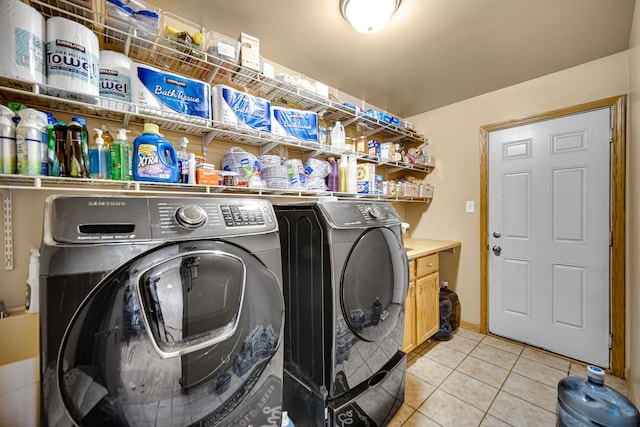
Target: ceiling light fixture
368,16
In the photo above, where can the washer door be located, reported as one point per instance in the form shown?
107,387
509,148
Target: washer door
374,284
187,333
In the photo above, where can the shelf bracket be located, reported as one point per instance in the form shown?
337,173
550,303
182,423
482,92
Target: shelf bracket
8,229
264,149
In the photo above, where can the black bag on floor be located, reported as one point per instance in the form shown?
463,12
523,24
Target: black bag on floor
444,333
454,317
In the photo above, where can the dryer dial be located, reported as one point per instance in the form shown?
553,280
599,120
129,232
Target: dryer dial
191,216
375,213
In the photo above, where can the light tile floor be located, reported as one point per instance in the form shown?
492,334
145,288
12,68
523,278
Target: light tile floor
481,380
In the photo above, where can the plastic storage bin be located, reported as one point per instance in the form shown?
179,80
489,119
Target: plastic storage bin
588,402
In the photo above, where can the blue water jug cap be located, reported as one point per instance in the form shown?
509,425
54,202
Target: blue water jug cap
589,400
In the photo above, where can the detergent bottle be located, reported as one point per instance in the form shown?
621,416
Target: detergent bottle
154,158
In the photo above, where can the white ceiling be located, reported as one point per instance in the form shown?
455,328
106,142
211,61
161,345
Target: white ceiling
433,53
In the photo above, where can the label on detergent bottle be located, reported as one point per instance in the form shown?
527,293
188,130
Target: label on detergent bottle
178,93
149,164
30,47
115,85
69,59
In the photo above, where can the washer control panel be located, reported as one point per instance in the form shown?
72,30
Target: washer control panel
117,219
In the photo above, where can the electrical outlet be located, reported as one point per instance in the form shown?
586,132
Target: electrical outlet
470,206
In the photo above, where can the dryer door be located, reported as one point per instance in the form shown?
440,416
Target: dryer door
374,284
189,333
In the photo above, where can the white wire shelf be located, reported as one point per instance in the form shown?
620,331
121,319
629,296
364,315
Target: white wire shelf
161,52
100,186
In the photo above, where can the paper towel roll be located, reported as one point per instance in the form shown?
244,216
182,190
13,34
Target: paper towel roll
115,78
73,58
22,45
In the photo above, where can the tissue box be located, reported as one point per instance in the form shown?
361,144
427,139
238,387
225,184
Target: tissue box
207,175
165,92
236,108
299,124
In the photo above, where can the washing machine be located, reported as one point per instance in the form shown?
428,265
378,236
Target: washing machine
345,280
159,311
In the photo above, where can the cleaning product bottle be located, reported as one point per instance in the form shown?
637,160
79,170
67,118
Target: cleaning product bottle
352,174
342,171
7,140
337,135
84,138
322,130
119,162
32,300
154,158
61,161
51,146
286,421
129,170
333,179
42,120
191,178
77,166
183,160
98,158
108,140
28,142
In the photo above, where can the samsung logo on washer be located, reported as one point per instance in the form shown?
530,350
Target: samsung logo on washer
106,203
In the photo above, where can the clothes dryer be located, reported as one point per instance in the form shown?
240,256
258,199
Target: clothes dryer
345,280
160,311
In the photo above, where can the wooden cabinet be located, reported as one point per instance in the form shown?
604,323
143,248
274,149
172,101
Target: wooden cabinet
422,316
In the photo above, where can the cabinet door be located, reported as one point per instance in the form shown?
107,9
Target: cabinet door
427,307
409,341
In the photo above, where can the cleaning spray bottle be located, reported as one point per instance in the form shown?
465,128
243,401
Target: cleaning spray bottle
154,158
183,160
32,300
98,158
7,140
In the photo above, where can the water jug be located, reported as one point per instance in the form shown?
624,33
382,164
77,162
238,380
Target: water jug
588,402
337,136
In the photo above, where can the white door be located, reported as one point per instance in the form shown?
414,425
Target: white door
548,213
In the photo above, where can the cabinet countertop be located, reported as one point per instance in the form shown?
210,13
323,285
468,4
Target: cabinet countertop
421,247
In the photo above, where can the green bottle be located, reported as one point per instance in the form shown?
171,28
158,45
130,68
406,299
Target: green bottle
120,157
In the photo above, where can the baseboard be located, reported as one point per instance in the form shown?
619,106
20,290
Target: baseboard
471,326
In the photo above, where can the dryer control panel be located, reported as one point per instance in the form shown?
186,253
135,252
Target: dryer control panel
107,219
355,214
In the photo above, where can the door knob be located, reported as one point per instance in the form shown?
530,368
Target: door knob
496,234
496,250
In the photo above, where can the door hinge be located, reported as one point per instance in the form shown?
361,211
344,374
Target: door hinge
610,135
609,341
610,239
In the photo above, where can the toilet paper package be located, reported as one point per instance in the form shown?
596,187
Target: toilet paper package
299,124
165,92
236,108
22,45
73,58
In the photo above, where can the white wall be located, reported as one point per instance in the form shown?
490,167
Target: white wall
633,210
454,131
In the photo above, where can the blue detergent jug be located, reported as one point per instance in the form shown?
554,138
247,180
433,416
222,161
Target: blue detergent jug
154,158
588,402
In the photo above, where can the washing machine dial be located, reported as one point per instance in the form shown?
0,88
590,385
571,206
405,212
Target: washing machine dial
375,213
191,216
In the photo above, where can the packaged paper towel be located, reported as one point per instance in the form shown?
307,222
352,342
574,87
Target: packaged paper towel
165,92
233,107
73,58
299,124
22,45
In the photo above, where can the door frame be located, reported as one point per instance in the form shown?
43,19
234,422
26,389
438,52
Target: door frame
618,105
